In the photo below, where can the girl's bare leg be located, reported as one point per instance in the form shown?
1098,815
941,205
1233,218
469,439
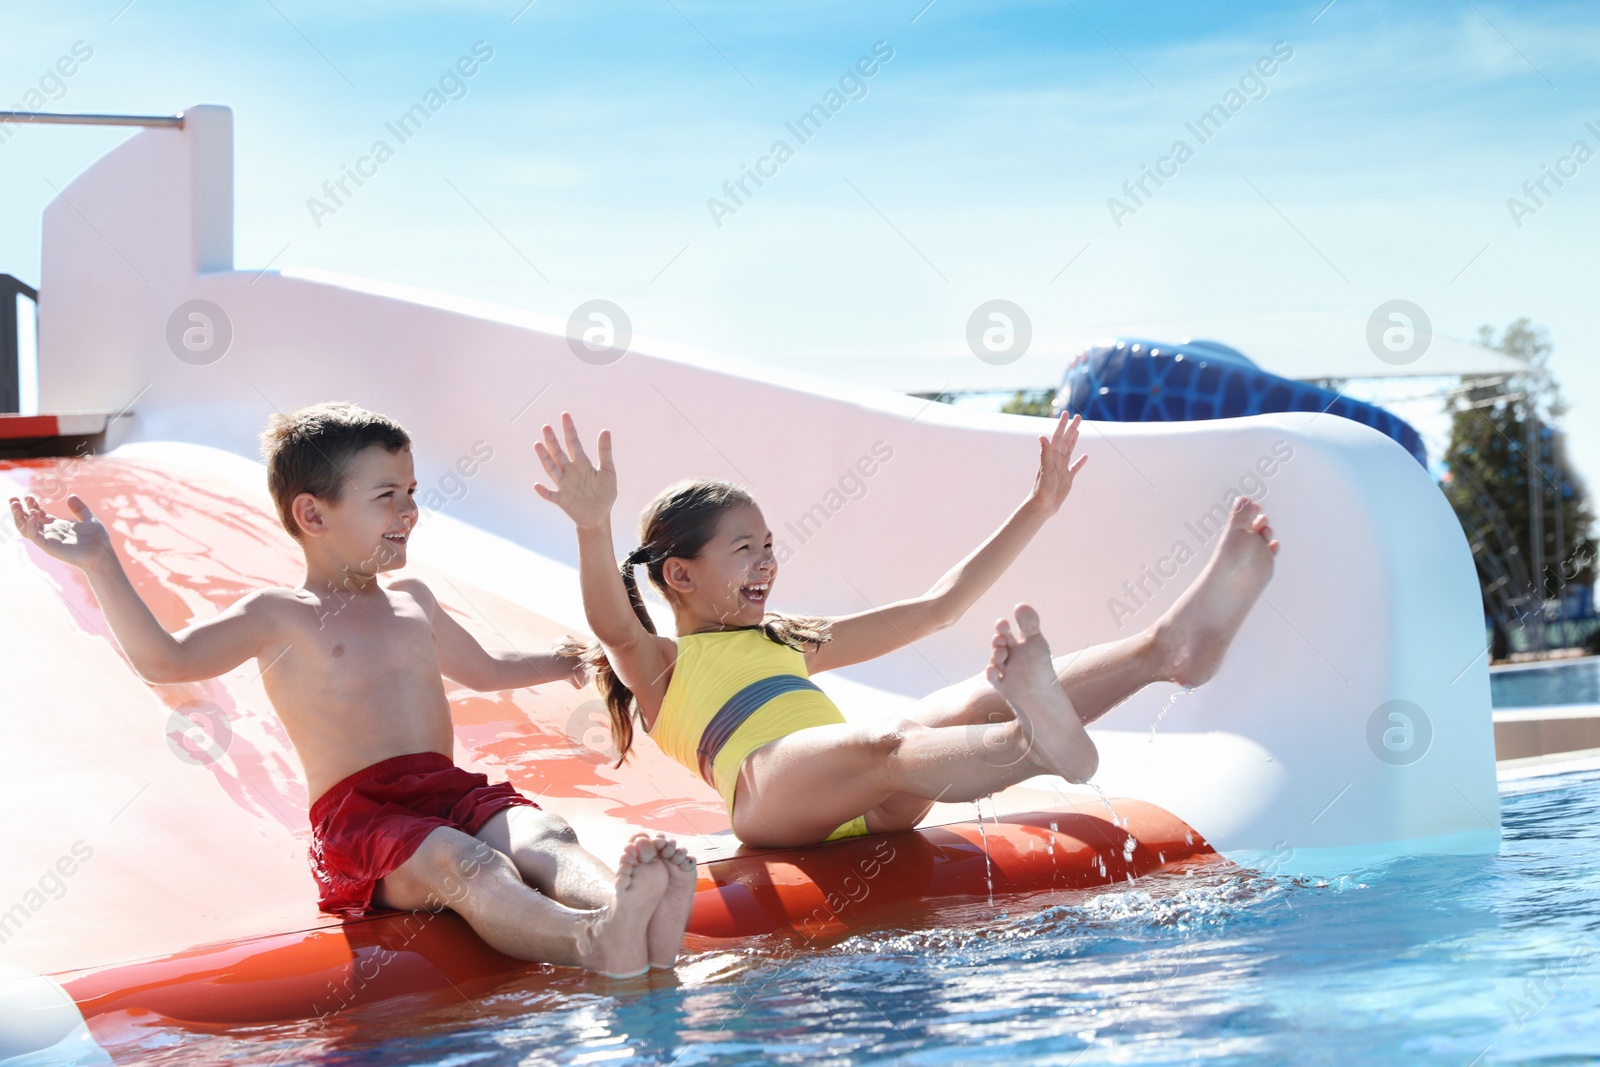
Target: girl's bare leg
1185,645
800,788
1095,680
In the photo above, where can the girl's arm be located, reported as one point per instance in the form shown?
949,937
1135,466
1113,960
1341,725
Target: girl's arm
586,493
879,631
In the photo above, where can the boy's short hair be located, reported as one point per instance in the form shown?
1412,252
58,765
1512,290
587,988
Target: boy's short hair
308,450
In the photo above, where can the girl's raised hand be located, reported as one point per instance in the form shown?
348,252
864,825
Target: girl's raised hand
585,492
83,543
1056,466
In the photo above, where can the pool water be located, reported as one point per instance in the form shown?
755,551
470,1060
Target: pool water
1574,682
1453,960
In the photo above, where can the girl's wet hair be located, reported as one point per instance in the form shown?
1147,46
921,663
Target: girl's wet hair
678,524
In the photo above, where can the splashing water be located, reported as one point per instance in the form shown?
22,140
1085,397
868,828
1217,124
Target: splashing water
988,867
1162,714
1117,820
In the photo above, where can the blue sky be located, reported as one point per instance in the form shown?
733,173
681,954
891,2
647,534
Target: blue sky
1376,163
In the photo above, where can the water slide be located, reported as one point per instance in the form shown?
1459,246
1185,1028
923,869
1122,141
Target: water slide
157,839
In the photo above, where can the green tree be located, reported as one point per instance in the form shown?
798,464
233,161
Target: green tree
1029,402
1524,509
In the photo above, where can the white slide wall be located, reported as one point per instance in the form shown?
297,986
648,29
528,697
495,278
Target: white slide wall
1292,745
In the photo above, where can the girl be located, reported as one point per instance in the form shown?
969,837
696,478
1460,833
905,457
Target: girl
730,698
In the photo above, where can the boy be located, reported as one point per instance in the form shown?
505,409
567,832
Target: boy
353,668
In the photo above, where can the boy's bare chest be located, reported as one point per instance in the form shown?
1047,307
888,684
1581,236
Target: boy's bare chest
367,642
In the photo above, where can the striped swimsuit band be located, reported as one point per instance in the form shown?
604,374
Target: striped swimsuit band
739,707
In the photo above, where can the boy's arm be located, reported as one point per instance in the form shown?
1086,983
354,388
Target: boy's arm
464,661
214,647
879,631
204,650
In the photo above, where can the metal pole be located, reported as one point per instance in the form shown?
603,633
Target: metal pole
10,380
1531,453
59,119
10,376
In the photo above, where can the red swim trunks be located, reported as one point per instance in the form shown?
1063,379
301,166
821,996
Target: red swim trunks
371,822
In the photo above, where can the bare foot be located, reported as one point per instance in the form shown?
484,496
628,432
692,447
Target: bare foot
1021,669
1197,630
616,945
665,935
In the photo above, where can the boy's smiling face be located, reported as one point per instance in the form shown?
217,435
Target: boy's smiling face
366,530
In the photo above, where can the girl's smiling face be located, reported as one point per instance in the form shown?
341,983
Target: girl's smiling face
730,582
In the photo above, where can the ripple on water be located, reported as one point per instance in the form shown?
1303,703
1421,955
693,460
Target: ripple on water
1422,959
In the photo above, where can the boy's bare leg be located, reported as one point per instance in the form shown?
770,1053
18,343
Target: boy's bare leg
1185,645
545,850
450,869
546,853
799,788
665,936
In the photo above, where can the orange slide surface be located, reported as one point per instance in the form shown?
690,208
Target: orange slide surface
190,896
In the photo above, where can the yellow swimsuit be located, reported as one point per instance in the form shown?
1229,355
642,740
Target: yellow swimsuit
733,691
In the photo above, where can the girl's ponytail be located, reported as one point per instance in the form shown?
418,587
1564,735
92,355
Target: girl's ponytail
618,697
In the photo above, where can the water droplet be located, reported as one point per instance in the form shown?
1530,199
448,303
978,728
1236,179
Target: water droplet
1162,714
1115,818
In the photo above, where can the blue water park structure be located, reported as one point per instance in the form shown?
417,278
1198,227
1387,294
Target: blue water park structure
1138,380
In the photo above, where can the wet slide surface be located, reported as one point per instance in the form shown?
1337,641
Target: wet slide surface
180,810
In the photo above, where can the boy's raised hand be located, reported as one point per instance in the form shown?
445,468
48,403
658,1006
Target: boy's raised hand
585,492
1056,467
83,543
